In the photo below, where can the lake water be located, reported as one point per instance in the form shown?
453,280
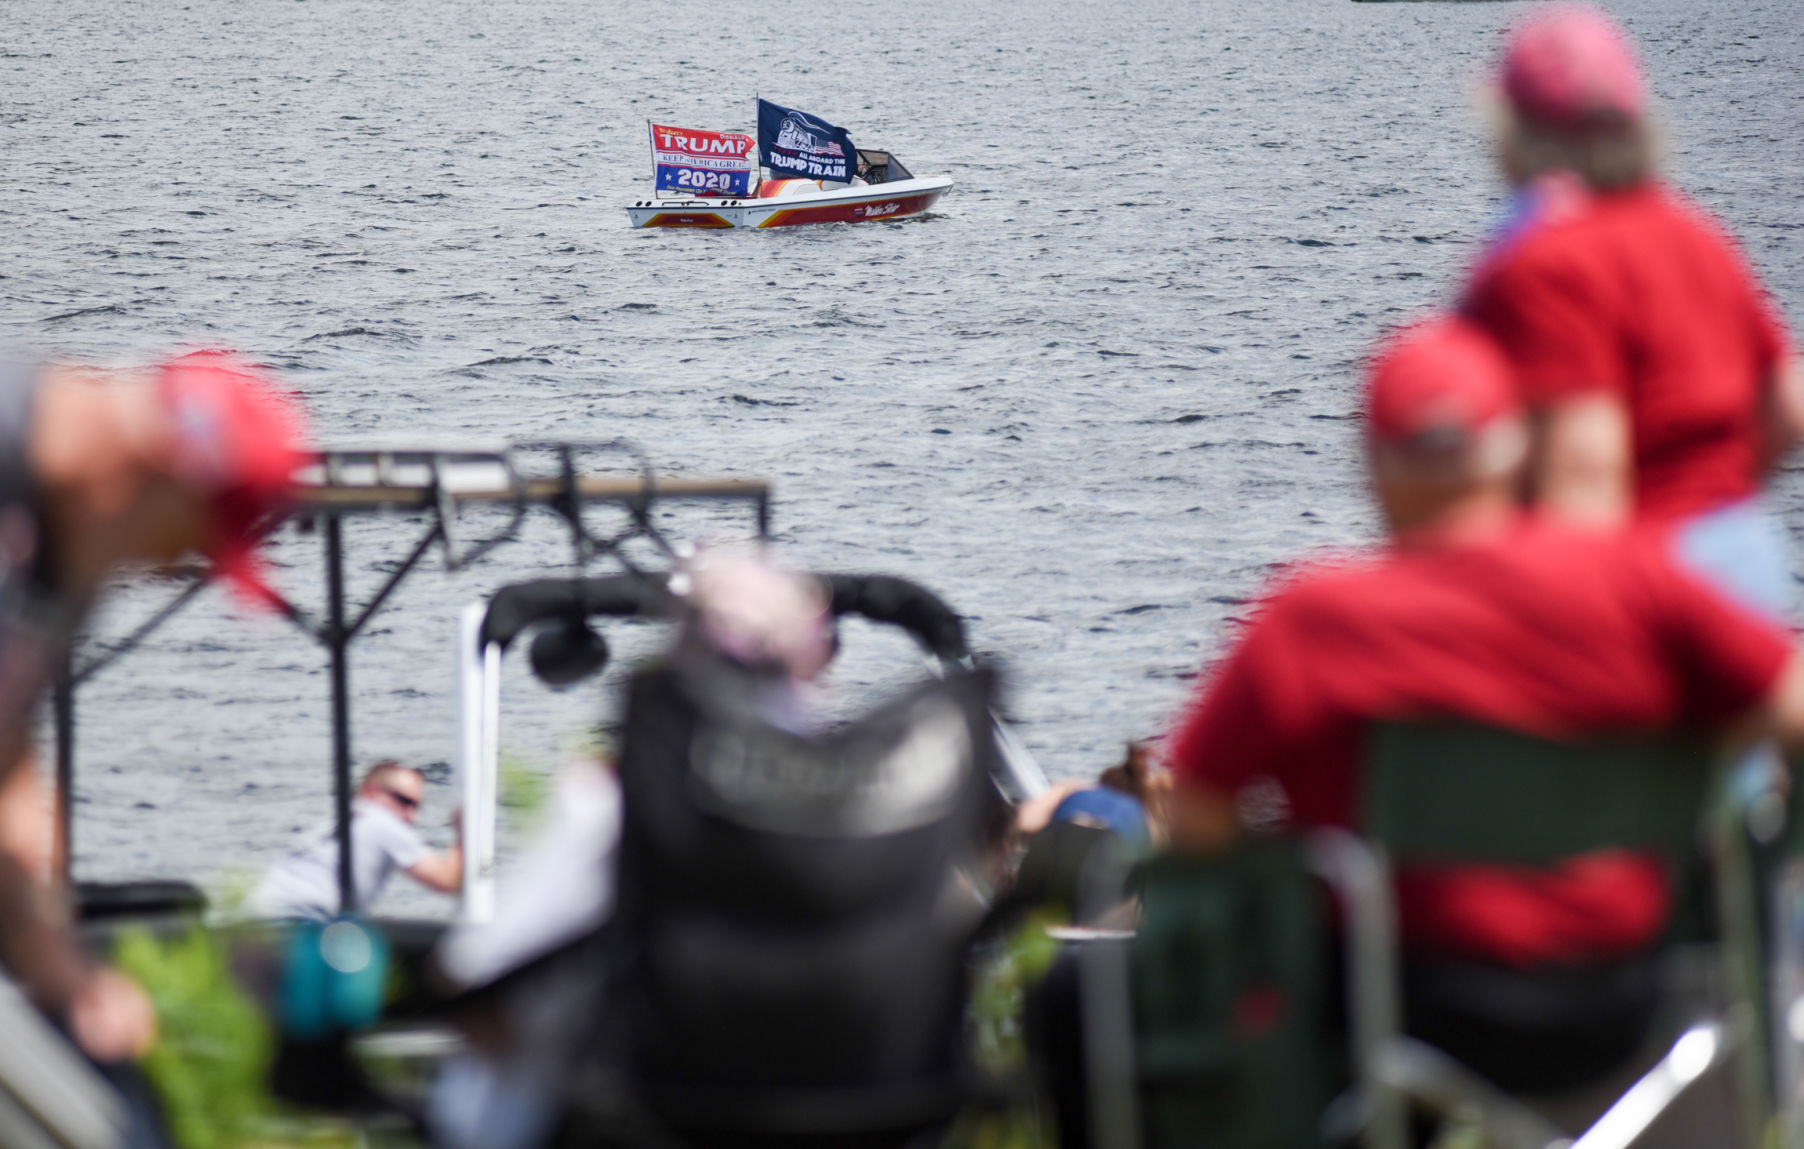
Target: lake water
1091,401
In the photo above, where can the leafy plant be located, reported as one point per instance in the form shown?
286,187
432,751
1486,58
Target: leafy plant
214,1046
1000,992
998,999
520,787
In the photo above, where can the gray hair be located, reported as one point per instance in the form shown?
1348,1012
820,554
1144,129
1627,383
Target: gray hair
1454,460
1608,159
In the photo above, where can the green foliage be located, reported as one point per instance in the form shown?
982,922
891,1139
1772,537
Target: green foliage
524,788
1465,1129
1000,991
231,891
521,788
1020,1129
998,997
214,1046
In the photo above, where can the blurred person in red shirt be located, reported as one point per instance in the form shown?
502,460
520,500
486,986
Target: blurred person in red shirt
1658,373
100,468
1479,612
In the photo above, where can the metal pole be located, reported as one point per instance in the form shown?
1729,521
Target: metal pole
479,715
62,701
338,644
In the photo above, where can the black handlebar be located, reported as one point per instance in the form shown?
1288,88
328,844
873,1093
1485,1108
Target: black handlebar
880,598
898,602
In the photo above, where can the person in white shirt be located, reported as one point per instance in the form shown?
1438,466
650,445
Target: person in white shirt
383,840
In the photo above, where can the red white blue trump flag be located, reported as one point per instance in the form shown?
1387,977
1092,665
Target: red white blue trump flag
701,163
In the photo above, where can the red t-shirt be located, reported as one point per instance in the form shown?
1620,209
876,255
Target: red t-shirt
1640,294
1552,631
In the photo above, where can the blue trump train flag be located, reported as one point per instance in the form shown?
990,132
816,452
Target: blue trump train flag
794,144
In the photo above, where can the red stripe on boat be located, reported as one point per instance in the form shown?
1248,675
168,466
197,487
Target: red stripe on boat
851,212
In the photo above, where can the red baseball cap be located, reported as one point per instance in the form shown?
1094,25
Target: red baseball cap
1570,68
236,439
1436,384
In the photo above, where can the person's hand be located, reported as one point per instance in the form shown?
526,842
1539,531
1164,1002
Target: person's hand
457,822
111,1018
1201,819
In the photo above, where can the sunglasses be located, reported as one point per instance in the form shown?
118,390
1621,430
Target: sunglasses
406,802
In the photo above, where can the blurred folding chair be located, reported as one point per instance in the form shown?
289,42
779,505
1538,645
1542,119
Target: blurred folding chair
791,936
1778,832
1167,1066
1476,795
1227,1041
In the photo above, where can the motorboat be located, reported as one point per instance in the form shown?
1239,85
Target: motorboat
782,203
799,170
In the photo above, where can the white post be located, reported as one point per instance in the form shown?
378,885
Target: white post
1023,770
478,760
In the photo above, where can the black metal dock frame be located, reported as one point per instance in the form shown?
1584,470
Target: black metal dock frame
344,483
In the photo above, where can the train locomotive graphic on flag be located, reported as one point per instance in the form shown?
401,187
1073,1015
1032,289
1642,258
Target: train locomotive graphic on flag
702,163
795,144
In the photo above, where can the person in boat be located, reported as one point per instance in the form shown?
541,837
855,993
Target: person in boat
100,468
304,885
1541,980
1659,374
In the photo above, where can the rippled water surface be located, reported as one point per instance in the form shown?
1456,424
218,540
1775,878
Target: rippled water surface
1091,401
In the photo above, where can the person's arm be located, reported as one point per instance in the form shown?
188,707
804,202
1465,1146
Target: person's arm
1783,413
1782,714
107,1013
1035,814
1201,819
1228,735
1583,468
1741,673
1559,326
442,871
36,942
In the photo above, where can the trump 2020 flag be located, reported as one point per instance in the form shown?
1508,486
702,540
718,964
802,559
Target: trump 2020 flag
701,163
795,144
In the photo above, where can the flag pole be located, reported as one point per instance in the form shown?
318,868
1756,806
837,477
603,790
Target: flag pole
758,166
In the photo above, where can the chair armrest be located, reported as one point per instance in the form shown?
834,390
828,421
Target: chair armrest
1425,1074
1361,882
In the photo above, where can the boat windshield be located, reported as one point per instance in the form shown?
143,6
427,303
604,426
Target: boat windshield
881,167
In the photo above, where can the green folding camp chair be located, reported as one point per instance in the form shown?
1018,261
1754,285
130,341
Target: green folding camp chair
1449,793
1433,793
1780,834
1230,1035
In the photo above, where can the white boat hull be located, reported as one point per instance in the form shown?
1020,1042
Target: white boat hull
898,200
